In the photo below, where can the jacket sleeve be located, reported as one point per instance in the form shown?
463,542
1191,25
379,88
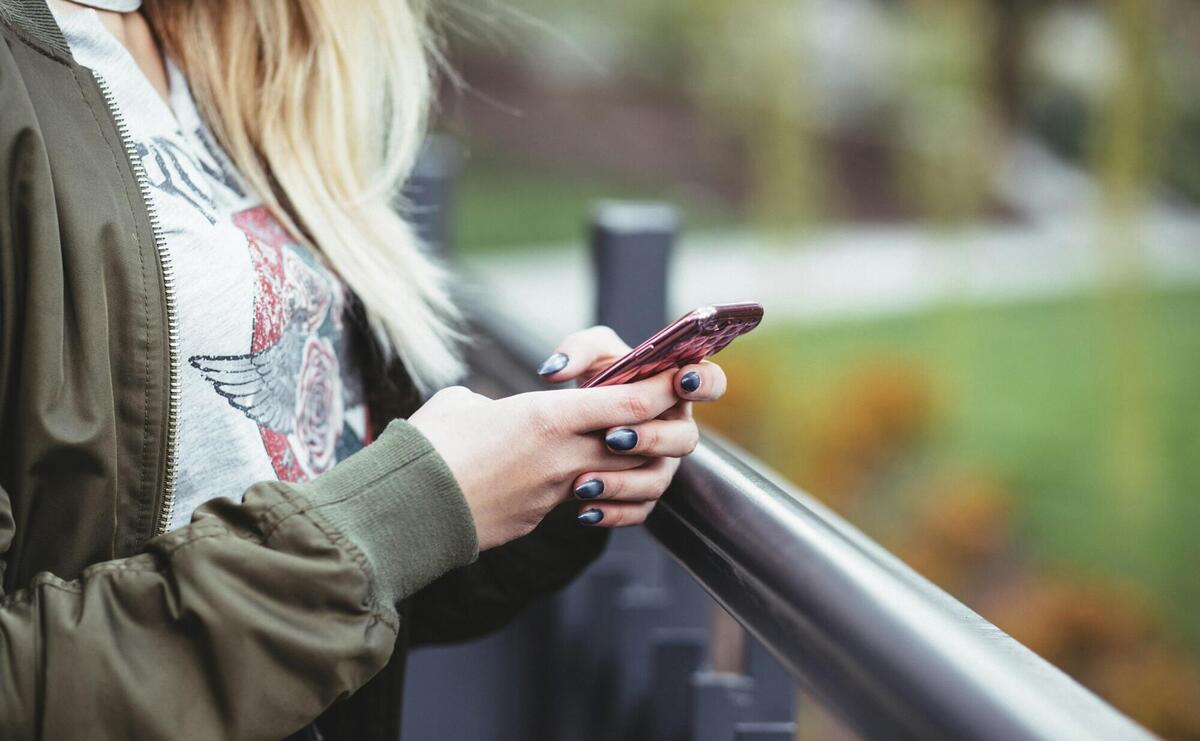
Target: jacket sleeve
481,597
246,623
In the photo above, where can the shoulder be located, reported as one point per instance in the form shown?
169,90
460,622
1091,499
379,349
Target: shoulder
30,23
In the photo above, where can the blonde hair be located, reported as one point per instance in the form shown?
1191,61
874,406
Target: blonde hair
321,104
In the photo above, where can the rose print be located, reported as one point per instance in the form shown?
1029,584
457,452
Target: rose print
319,403
308,294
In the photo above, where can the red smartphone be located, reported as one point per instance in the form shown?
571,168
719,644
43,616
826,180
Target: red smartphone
693,337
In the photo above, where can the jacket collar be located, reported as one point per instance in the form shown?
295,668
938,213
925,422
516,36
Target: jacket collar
34,22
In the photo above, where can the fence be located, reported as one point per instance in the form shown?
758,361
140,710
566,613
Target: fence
740,590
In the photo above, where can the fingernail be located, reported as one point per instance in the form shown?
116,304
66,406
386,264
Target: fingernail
553,364
590,489
591,517
622,439
690,381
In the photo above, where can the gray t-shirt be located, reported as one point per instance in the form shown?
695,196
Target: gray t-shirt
268,382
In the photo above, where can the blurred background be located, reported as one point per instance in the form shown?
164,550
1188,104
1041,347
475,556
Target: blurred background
975,227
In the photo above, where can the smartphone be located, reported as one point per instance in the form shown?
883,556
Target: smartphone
693,337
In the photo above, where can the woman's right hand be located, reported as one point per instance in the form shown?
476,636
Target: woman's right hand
516,458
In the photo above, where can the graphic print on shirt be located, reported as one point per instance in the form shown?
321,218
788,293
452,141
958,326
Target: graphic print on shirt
177,172
290,382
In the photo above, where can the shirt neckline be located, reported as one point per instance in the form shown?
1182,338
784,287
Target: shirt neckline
129,82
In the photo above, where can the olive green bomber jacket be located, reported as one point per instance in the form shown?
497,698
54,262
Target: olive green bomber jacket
258,616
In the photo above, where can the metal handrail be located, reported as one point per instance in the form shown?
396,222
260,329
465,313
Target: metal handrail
893,655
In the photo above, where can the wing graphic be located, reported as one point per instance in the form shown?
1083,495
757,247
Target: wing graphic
262,385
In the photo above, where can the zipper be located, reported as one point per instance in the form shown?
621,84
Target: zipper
167,507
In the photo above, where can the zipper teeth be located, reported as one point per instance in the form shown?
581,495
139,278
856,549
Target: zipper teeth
168,273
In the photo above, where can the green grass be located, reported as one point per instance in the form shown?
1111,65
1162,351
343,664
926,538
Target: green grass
509,206
1031,392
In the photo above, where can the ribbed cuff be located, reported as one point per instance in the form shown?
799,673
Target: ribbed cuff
399,503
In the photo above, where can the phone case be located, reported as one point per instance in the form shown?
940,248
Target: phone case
692,338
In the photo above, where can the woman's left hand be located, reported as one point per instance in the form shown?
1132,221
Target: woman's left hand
620,499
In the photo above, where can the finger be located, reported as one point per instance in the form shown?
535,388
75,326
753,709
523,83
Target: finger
582,351
659,438
704,381
587,452
603,407
640,484
682,410
615,514
593,455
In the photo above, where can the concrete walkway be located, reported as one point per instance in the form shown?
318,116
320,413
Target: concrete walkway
1061,245
852,272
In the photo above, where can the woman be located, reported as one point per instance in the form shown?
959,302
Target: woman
214,520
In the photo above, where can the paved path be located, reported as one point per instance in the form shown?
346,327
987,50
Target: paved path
1060,245
851,272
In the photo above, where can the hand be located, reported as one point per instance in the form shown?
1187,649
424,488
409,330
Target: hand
626,496
516,458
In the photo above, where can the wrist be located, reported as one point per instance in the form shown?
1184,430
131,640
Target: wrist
398,501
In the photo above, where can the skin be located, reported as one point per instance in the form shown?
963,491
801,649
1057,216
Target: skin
135,35
517,458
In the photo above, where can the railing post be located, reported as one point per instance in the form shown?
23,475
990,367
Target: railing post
776,695
765,732
631,253
428,196
675,653
719,702
631,245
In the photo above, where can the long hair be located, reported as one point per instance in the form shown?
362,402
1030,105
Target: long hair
321,105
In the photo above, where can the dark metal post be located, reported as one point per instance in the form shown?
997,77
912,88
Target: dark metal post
631,252
631,245
765,732
674,655
428,197
775,697
719,702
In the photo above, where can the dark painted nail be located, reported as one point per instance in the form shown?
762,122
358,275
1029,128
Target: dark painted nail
591,517
590,489
622,439
553,364
690,381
